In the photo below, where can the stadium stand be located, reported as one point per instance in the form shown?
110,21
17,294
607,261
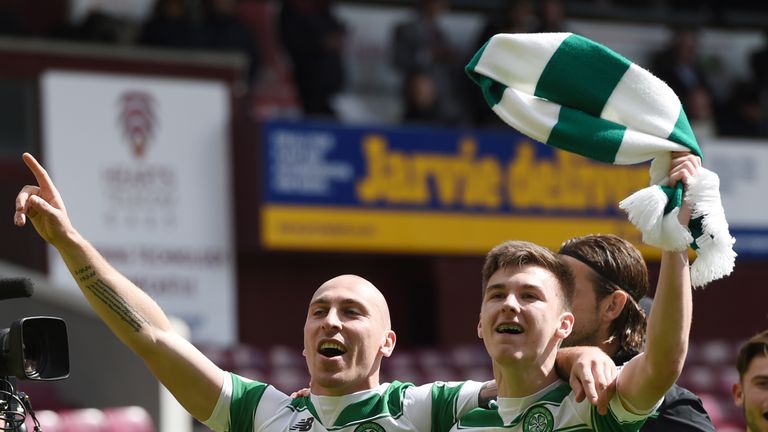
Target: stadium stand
115,419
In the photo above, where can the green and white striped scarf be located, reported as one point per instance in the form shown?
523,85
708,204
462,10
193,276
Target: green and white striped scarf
577,95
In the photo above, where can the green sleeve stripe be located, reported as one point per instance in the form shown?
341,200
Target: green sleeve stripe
395,395
611,423
444,406
245,398
586,85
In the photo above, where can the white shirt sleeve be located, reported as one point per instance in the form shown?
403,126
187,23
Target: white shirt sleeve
618,404
269,405
219,419
418,401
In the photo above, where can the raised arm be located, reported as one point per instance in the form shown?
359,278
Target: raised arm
128,311
648,376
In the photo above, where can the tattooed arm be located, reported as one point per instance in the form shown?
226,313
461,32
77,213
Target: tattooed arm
128,311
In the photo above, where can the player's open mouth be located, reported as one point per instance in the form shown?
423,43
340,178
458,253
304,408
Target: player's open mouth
331,349
765,415
509,328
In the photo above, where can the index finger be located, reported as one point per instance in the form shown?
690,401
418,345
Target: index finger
41,175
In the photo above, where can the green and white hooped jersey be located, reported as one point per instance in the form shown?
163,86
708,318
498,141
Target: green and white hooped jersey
251,406
553,409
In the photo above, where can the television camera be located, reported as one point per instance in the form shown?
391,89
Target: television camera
33,349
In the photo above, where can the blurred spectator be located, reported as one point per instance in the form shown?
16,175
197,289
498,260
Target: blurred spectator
32,17
516,16
98,26
701,113
171,25
743,115
215,27
314,40
552,17
9,19
225,30
759,62
420,45
679,65
745,112
421,101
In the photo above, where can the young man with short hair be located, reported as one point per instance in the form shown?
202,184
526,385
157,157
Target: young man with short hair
525,315
751,392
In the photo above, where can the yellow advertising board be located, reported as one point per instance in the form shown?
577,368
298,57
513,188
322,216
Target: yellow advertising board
412,190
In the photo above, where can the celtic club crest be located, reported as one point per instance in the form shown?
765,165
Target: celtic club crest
369,427
538,419
137,117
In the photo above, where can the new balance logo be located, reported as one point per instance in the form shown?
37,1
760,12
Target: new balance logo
303,425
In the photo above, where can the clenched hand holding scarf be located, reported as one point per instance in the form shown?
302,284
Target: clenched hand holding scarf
577,95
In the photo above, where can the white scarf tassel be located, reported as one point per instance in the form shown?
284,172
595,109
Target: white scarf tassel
716,257
645,209
675,237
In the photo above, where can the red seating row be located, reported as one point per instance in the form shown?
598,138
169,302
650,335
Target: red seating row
118,419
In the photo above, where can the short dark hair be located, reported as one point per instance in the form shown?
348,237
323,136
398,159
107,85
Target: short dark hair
755,346
616,264
513,254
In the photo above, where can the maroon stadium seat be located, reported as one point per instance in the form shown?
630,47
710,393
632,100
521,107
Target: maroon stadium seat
128,419
83,420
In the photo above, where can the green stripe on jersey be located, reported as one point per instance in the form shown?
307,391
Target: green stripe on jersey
480,418
572,82
557,394
489,418
611,423
305,403
388,404
245,398
445,399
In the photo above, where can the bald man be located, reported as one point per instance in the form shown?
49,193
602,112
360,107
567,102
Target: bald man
346,335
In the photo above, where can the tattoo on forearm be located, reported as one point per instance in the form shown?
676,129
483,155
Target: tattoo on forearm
85,273
107,295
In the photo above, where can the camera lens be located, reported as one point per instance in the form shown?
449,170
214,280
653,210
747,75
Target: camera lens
33,358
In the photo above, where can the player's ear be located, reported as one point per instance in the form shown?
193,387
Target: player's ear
738,394
566,325
388,345
613,304
480,327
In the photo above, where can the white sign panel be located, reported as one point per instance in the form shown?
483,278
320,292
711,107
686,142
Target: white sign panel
742,166
143,167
